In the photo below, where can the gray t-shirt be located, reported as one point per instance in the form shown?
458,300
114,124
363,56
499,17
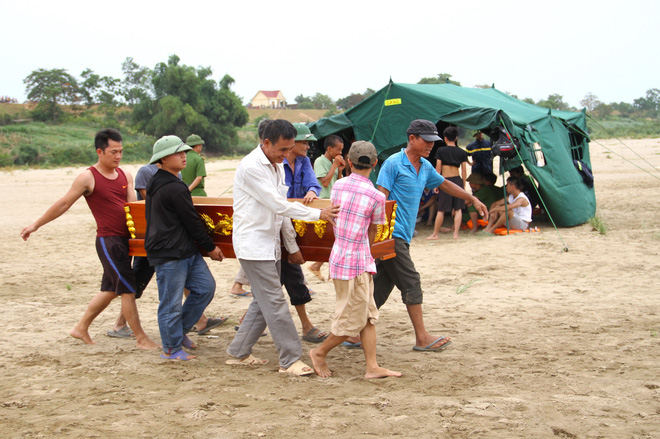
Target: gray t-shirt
143,176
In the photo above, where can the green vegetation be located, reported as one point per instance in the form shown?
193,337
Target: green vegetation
65,144
182,100
463,288
50,89
442,78
598,225
173,98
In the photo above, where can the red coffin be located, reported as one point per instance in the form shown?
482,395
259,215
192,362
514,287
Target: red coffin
315,239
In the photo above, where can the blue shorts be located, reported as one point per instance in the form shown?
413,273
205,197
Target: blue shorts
118,276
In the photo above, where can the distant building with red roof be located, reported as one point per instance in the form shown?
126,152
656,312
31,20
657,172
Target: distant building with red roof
268,99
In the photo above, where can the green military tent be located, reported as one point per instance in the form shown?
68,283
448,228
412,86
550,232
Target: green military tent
550,141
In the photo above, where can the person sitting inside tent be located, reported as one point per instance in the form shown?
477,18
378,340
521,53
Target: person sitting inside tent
486,193
528,186
518,209
427,207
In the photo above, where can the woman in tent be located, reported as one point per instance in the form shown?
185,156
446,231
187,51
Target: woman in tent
449,159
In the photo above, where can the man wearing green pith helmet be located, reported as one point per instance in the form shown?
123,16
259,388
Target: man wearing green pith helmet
195,172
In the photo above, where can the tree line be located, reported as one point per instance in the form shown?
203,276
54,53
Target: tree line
171,98
647,106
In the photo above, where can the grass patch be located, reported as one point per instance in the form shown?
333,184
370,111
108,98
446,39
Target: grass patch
463,288
41,144
598,224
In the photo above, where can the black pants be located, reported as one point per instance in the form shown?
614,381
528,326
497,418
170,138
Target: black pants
293,279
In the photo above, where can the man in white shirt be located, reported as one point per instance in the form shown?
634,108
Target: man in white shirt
260,206
518,207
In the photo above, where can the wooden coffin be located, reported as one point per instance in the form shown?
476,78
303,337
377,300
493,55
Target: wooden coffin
315,239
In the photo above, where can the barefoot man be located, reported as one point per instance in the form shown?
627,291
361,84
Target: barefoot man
106,188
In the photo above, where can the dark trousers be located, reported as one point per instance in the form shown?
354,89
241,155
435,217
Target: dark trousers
293,279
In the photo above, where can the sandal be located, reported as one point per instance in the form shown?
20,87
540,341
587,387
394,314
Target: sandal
250,360
315,335
188,343
212,323
298,369
179,355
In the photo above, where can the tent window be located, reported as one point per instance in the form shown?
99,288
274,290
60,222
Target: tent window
538,155
577,144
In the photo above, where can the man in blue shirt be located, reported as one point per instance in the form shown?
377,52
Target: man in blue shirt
480,154
403,177
302,182
300,176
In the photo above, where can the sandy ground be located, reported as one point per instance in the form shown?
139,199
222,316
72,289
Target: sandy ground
546,343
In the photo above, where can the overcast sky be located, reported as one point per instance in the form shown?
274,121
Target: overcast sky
531,49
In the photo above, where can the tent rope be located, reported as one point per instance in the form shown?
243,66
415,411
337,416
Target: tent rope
537,193
621,142
225,191
613,152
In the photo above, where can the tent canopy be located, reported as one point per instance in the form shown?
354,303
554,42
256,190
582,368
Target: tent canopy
550,140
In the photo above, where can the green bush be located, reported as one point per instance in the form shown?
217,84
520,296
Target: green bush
62,155
259,119
6,159
26,155
6,119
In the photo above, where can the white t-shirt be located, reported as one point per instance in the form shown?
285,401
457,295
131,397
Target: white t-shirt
522,212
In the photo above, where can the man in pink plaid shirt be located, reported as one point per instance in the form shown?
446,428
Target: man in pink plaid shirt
351,264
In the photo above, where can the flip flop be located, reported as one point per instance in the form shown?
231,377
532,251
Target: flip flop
250,360
348,344
314,335
124,332
430,349
243,294
212,323
188,343
298,369
180,355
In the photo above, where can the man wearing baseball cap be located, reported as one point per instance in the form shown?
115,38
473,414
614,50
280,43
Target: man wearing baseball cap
403,177
172,240
195,171
351,264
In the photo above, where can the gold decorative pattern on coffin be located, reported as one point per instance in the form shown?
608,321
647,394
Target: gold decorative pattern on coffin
223,227
392,222
129,221
301,227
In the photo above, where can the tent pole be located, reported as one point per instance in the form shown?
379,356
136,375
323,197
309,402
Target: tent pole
506,203
540,198
387,93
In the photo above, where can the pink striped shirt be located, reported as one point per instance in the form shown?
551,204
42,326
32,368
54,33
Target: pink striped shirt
361,205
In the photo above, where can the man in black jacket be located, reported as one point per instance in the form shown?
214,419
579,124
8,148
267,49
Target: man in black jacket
174,233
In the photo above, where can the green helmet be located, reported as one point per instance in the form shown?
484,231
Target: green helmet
167,145
194,140
304,134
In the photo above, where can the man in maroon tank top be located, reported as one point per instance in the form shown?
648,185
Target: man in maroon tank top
106,188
